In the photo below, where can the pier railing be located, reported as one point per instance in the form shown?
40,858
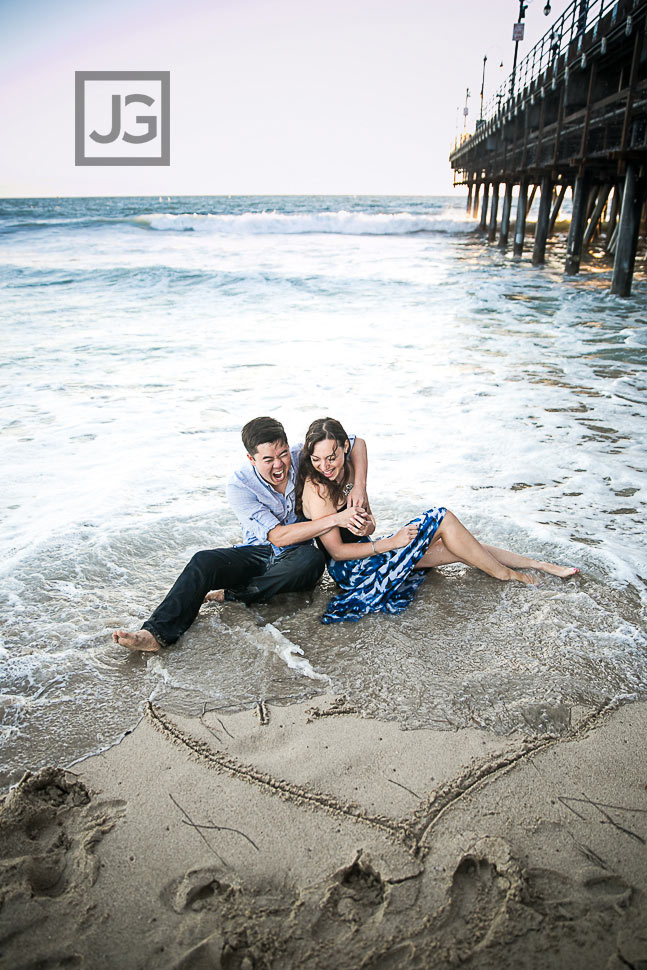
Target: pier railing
581,30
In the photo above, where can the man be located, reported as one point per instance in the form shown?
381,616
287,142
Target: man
277,554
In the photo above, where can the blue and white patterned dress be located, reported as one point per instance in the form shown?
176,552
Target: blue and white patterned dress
383,583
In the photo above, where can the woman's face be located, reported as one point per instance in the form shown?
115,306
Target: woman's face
328,458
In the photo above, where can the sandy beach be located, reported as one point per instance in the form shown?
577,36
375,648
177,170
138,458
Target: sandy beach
307,836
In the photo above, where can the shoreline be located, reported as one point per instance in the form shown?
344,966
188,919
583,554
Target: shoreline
309,836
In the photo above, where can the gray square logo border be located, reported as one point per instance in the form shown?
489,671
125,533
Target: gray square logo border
80,77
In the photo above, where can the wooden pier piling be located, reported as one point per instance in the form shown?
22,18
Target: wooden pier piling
533,193
557,206
577,118
505,216
475,203
484,204
623,265
596,215
613,215
578,220
520,224
494,205
543,219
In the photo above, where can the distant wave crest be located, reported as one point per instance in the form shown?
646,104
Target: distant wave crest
342,222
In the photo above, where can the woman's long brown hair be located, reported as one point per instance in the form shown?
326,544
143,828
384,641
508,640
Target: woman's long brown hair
321,430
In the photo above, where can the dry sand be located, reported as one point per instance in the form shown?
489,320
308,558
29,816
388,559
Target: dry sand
310,837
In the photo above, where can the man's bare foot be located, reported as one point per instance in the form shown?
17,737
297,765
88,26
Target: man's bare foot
215,596
562,571
141,640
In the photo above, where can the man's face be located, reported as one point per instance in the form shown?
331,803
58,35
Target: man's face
272,462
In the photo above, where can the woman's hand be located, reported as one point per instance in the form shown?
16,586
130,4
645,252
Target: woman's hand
367,527
405,535
352,518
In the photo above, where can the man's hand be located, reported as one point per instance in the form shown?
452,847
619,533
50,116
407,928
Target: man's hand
357,497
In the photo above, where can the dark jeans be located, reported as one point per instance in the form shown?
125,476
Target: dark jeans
250,574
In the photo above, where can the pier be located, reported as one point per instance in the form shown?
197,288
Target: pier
572,116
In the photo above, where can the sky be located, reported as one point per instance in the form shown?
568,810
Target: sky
267,96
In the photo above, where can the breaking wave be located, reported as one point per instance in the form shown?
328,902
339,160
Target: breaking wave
282,223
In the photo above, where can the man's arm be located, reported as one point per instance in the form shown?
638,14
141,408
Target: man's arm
358,460
261,521
357,497
289,535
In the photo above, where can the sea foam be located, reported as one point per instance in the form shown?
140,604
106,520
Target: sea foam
282,223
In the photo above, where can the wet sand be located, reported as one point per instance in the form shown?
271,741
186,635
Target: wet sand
310,837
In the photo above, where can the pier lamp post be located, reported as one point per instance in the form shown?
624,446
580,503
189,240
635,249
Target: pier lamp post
517,35
482,88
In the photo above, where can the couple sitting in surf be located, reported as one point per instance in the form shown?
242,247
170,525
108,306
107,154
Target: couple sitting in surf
284,499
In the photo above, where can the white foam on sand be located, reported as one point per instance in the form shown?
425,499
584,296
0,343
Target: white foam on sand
289,652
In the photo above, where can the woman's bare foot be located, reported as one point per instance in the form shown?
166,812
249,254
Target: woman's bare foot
215,596
562,571
521,577
141,640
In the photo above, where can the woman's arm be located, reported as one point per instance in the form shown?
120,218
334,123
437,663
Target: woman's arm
317,506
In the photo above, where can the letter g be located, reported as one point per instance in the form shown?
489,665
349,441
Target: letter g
149,120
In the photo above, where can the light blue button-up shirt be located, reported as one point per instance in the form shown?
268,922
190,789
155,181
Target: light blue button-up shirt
259,507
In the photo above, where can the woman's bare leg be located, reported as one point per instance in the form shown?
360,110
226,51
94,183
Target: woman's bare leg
462,545
517,561
439,555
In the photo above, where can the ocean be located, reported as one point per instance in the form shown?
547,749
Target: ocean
140,334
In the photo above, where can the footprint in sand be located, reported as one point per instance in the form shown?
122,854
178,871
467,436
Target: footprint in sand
487,883
560,897
50,826
608,890
198,889
477,889
356,894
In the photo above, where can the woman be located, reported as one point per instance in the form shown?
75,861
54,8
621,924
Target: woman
383,574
